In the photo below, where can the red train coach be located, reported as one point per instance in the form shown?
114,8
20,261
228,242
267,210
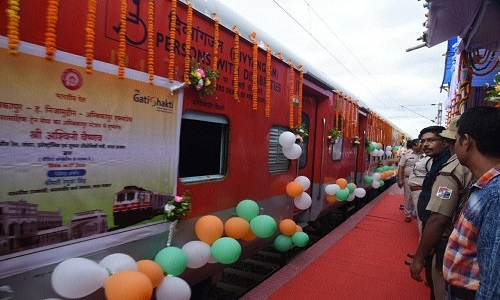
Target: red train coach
102,94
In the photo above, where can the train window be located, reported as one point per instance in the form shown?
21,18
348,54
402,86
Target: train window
203,147
277,160
337,149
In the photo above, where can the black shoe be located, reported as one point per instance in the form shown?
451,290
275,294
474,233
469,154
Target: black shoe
402,207
411,255
408,262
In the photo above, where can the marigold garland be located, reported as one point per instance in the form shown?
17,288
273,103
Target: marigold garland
171,53
151,53
13,25
268,82
292,79
90,35
255,88
50,33
301,83
189,36
236,62
122,42
216,44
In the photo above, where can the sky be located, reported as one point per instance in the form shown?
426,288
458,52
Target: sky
361,45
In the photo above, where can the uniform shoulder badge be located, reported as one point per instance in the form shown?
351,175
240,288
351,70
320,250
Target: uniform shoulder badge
444,192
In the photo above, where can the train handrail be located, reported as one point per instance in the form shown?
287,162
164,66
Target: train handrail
322,160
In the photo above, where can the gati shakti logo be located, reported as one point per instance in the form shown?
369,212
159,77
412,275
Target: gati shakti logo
161,105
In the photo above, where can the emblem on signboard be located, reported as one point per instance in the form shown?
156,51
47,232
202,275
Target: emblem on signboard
72,79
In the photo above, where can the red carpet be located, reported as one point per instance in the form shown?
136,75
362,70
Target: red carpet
365,263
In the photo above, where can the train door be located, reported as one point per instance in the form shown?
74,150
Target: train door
306,163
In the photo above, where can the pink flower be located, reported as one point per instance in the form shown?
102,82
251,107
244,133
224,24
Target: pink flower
178,199
202,73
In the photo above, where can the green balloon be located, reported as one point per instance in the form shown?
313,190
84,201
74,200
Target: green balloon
351,187
247,209
379,170
300,239
226,250
283,243
381,182
371,148
368,179
172,260
342,195
263,226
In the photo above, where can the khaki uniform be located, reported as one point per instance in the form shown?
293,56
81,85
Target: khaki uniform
422,166
449,192
407,161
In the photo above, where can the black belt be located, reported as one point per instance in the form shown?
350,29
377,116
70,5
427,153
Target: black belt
462,293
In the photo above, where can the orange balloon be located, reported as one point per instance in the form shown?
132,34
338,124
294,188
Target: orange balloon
288,227
250,236
341,182
331,198
294,189
209,228
128,284
236,227
151,269
298,228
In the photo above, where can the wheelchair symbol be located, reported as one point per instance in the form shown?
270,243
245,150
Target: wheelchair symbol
134,18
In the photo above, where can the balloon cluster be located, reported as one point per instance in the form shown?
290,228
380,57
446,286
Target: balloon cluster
120,276
290,234
341,190
381,173
375,149
124,278
290,149
296,189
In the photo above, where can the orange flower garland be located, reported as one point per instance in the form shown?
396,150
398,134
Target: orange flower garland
280,55
151,53
50,33
122,43
301,83
255,88
189,36
236,62
292,79
268,81
90,35
13,25
171,53
216,45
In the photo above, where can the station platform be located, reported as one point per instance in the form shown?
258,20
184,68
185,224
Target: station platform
363,258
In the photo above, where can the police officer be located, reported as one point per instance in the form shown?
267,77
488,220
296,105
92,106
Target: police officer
449,191
406,164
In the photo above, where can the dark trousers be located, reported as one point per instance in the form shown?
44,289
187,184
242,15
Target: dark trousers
428,275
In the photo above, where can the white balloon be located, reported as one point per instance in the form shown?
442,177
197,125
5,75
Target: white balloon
173,288
388,152
118,262
376,176
78,277
292,152
388,148
359,192
375,184
198,253
303,201
306,183
351,197
331,189
287,139
380,152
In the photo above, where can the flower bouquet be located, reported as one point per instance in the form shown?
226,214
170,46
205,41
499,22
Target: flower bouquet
175,210
203,80
333,135
178,207
301,132
355,141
